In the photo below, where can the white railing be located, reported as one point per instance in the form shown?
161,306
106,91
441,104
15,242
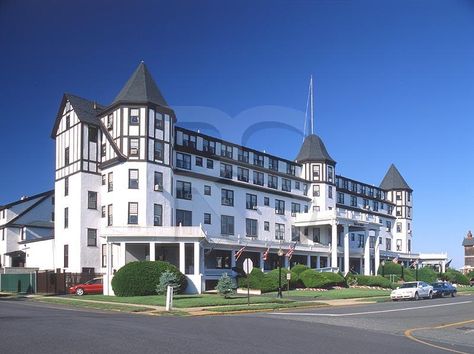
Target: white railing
155,231
315,216
356,215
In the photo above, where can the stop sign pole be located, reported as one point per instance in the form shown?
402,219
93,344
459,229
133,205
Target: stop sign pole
248,266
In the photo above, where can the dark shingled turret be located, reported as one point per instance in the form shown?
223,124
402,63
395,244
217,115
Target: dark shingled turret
393,180
313,149
141,88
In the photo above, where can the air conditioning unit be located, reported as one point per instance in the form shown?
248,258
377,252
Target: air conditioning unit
158,188
255,207
133,151
387,229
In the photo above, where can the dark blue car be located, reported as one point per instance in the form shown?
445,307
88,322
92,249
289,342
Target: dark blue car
444,289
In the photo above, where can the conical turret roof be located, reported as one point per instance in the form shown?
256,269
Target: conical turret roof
313,149
394,180
141,88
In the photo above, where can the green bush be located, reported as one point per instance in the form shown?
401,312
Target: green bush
266,282
369,280
167,278
296,271
141,278
455,277
427,274
470,275
255,279
394,268
225,286
313,279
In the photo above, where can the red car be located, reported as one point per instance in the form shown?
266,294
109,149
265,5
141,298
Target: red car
93,286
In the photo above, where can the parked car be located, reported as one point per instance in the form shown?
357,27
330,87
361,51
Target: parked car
441,289
471,281
93,286
412,290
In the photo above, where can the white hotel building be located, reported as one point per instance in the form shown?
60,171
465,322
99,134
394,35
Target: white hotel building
132,185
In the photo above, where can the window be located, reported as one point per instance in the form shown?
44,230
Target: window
158,181
158,150
251,227
295,208
207,190
258,178
375,205
133,179
104,180
266,226
305,231
366,203
371,192
103,212
251,201
279,206
22,233
52,216
390,210
183,161
210,164
66,256
345,184
272,182
399,227
189,140
66,156
242,174
226,170
104,256
134,116
157,215
290,169
330,174
399,245
134,148
110,181
286,185
198,161
183,190
110,121
408,226
361,240
279,231
103,150
207,218
133,213
388,243
399,211
316,172
409,212
227,225
330,192
159,124
266,201
316,190
317,235
226,151
68,122
92,237
398,195
354,187
66,218
409,246
184,217
217,259
92,134
297,185
295,234
409,196
257,159
340,197
91,200
110,216
273,164
388,223
363,189
209,146
227,197
66,186
372,241
243,155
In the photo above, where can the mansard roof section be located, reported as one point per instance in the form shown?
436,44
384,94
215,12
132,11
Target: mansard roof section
27,199
313,149
393,180
85,109
141,88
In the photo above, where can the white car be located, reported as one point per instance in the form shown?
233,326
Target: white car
412,290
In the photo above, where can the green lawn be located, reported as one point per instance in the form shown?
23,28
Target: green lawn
98,305
181,301
348,293
272,306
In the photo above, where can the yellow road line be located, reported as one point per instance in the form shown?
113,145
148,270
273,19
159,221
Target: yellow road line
409,334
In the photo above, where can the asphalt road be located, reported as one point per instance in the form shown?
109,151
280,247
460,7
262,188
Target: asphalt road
30,327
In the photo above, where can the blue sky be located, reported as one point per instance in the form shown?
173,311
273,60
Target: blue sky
394,82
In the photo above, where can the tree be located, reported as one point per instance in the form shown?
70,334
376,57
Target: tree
167,279
225,286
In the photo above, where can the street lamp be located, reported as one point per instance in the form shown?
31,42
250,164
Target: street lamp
383,267
280,255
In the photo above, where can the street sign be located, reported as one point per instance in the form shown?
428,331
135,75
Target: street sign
248,265
288,276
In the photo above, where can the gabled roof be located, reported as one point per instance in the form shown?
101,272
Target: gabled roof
313,149
86,110
393,180
140,88
26,199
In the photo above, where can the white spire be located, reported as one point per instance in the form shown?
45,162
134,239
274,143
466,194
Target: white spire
312,103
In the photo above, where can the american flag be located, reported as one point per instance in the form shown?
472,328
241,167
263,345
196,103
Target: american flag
265,254
239,253
290,252
395,260
415,263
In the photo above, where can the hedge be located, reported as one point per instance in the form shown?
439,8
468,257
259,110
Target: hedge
394,268
313,279
369,280
141,278
455,276
296,271
266,282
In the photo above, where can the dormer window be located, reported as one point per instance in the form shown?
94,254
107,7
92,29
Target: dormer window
158,151
209,146
93,134
257,159
316,172
110,121
68,122
273,164
159,121
226,151
330,174
134,116
189,140
243,155
134,147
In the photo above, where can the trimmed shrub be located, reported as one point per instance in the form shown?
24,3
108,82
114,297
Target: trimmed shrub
394,268
313,279
255,279
369,280
426,274
296,271
470,275
141,278
266,282
455,277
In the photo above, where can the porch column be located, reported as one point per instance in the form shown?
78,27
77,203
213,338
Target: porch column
377,252
232,259
366,253
181,257
197,258
108,280
443,266
361,264
346,249
152,251
262,262
308,261
334,244
318,261
286,263
122,259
